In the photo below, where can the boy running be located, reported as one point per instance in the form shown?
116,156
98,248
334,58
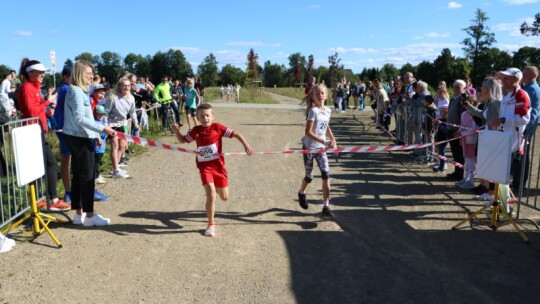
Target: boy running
211,165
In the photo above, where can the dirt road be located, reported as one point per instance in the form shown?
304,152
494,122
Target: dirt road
390,242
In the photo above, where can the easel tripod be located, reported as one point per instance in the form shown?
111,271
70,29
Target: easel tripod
38,219
497,210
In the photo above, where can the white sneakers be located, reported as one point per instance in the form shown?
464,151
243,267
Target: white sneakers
79,219
119,174
484,197
100,180
6,244
210,230
96,220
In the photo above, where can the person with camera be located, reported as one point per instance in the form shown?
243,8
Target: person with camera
455,108
515,112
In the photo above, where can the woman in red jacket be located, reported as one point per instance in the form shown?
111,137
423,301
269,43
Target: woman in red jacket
32,104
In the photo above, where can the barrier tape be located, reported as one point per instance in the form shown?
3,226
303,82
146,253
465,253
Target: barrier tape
355,149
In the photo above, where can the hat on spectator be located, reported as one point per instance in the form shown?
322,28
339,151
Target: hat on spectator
37,67
98,87
514,72
66,71
100,109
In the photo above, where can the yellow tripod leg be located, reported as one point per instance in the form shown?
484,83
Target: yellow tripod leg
38,218
470,217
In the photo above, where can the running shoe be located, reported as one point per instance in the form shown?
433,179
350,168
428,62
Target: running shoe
210,230
302,200
60,205
100,180
327,213
67,197
96,220
119,174
484,197
79,219
98,196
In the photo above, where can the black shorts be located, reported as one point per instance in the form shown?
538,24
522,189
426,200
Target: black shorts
190,111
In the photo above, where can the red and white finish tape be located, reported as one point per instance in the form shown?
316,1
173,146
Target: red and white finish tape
355,149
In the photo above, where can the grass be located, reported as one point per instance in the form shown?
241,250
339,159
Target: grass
289,92
247,95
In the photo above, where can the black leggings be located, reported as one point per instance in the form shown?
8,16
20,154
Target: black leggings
83,167
51,168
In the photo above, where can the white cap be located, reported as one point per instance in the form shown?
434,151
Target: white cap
514,72
37,67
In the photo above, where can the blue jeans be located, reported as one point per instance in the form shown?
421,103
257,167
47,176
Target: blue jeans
165,111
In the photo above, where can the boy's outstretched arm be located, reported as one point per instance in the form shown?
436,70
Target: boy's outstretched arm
244,142
176,129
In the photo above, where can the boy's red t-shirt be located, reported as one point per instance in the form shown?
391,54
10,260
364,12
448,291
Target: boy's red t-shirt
209,143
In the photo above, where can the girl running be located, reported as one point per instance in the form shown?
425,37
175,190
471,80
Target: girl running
316,133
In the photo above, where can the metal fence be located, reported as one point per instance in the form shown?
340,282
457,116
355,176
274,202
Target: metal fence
14,200
527,190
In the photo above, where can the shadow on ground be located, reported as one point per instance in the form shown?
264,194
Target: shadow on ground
380,258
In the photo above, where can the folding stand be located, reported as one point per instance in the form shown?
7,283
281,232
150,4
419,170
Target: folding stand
496,211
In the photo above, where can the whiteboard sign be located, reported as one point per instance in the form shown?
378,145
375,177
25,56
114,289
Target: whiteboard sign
494,156
28,152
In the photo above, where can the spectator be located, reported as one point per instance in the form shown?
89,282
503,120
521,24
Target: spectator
65,153
417,113
237,92
15,86
5,87
310,85
201,89
119,105
32,104
80,131
193,101
488,111
454,119
162,94
469,139
470,88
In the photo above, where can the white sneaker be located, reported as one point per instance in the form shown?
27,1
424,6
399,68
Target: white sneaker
79,219
5,246
119,174
119,169
96,220
100,180
210,230
466,185
484,197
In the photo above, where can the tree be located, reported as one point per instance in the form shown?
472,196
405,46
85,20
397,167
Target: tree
4,70
274,75
230,74
526,56
172,63
309,69
493,60
533,29
88,57
208,70
444,67
479,41
335,70
252,73
426,73
297,67
388,72
407,67
109,66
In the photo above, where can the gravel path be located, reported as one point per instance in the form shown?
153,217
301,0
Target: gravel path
391,240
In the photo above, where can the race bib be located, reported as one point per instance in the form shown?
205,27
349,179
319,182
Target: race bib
207,153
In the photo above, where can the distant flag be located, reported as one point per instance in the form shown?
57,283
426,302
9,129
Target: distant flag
53,61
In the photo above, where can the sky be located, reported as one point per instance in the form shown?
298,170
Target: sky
364,33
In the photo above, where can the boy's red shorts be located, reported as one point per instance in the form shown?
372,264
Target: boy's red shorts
216,175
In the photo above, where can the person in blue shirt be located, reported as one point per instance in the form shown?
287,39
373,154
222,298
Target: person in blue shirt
65,153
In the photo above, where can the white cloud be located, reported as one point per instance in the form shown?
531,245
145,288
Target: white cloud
313,6
436,35
233,57
520,2
418,37
512,27
193,51
23,33
454,5
252,44
357,51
